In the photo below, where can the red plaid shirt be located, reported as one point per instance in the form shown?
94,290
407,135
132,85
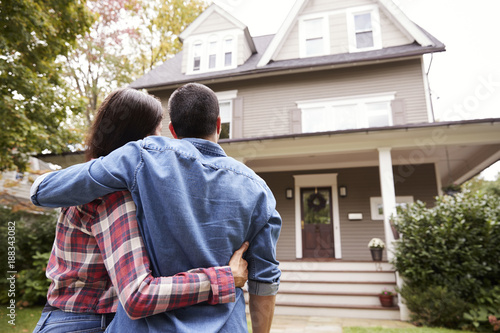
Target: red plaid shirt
99,257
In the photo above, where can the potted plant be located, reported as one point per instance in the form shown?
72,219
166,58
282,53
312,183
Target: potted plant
386,298
376,246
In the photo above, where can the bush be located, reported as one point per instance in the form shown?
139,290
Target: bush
452,250
34,236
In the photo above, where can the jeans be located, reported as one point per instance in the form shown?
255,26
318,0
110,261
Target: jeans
66,322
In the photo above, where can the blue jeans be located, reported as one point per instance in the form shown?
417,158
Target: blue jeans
66,322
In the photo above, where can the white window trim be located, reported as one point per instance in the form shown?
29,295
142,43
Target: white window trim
353,100
302,37
228,96
376,203
376,28
205,40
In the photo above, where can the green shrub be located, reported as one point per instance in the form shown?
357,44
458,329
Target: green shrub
453,250
34,236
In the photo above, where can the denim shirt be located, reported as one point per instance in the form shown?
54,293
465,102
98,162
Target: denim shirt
195,207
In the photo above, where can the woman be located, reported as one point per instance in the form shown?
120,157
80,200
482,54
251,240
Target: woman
98,257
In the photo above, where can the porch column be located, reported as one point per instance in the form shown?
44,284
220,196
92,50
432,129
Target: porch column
388,196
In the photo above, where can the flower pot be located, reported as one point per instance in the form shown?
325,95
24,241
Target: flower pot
376,254
386,300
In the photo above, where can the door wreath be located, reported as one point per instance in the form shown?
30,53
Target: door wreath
316,202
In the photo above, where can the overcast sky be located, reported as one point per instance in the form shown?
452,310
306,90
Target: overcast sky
464,80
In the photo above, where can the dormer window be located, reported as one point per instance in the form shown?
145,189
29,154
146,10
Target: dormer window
364,29
212,53
228,52
314,37
197,57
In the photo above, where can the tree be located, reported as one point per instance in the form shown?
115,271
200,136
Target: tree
35,101
163,21
128,38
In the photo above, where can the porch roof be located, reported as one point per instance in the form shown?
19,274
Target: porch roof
459,149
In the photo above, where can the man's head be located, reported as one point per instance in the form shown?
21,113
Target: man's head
194,112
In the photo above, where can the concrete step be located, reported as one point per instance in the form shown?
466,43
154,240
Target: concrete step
338,276
335,287
336,266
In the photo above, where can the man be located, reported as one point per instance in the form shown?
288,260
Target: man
195,207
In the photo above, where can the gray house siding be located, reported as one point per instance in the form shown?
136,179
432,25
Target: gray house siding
362,183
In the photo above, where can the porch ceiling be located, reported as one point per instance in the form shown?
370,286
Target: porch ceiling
459,150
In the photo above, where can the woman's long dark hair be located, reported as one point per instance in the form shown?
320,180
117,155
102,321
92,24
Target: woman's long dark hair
125,115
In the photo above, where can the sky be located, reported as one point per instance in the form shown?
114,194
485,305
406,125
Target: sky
464,80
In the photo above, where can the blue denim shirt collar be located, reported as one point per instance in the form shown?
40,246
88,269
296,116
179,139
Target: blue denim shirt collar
206,147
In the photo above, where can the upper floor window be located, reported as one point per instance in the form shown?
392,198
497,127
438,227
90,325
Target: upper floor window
228,52
342,114
314,37
364,29
226,112
212,53
197,57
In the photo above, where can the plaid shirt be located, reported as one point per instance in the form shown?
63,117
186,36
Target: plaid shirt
99,257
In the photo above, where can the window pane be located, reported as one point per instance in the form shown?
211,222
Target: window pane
345,117
363,22
378,114
313,28
225,130
314,46
228,44
314,120
228,59
364,39
196,64
212,61
196,57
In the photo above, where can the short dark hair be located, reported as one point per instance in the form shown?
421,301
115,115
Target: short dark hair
125,115
193,110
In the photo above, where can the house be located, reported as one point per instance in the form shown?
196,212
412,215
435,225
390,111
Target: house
334,112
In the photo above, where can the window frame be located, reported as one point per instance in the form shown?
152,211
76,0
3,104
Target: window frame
360,102
376,27
325,35
210,50
224,97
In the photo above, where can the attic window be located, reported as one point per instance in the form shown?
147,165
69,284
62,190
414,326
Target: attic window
363,24
212,55
228,52
197,57
314,37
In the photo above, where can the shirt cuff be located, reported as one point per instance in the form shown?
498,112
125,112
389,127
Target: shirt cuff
34,187
262,289
222,285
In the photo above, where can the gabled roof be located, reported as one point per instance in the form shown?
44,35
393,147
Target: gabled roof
206,14
261,64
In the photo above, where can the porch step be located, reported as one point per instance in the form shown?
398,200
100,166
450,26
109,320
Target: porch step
336,289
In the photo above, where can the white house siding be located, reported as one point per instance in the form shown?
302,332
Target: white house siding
214,23
391,34
243,50
361,183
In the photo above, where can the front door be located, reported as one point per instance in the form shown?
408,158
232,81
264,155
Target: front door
316,220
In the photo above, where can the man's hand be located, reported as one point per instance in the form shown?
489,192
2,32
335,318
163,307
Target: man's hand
239,266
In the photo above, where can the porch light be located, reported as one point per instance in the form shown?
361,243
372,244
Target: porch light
343,191
289,193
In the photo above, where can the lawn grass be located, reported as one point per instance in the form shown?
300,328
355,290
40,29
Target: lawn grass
26,319
398,330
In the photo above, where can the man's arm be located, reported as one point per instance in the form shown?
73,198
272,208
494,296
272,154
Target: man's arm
261,312
118,237
264,274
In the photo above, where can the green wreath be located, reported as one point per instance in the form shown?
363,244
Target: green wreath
316,202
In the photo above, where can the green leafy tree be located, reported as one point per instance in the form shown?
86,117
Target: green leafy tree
35,101
162,23
127,39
